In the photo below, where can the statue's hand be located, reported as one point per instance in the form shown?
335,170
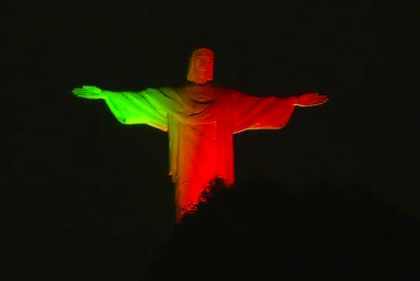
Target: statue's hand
310,99
88,92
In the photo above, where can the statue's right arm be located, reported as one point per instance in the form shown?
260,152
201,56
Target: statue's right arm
89,92
145,107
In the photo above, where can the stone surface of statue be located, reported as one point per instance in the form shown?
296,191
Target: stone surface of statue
200,120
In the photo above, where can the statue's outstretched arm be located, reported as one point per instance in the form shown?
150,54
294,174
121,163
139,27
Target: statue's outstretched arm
253,112
270,112
309,100
144,107
89,92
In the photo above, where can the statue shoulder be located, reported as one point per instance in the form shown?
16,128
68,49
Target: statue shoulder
168,92
160,91
228,93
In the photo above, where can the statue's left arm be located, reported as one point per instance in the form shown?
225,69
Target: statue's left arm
271,112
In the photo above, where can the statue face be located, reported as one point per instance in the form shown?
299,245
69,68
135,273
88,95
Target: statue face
201,66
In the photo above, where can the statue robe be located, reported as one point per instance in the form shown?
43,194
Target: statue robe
200,133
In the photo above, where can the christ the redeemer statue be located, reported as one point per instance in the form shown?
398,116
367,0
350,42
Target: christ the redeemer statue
201,120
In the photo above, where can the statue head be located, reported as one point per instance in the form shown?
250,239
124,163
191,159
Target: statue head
201,66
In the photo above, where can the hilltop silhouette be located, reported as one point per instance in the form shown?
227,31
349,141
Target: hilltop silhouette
265,231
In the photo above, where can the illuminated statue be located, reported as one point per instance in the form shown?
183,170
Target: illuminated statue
201,120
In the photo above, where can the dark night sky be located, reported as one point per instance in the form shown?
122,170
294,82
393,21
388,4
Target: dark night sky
75,153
